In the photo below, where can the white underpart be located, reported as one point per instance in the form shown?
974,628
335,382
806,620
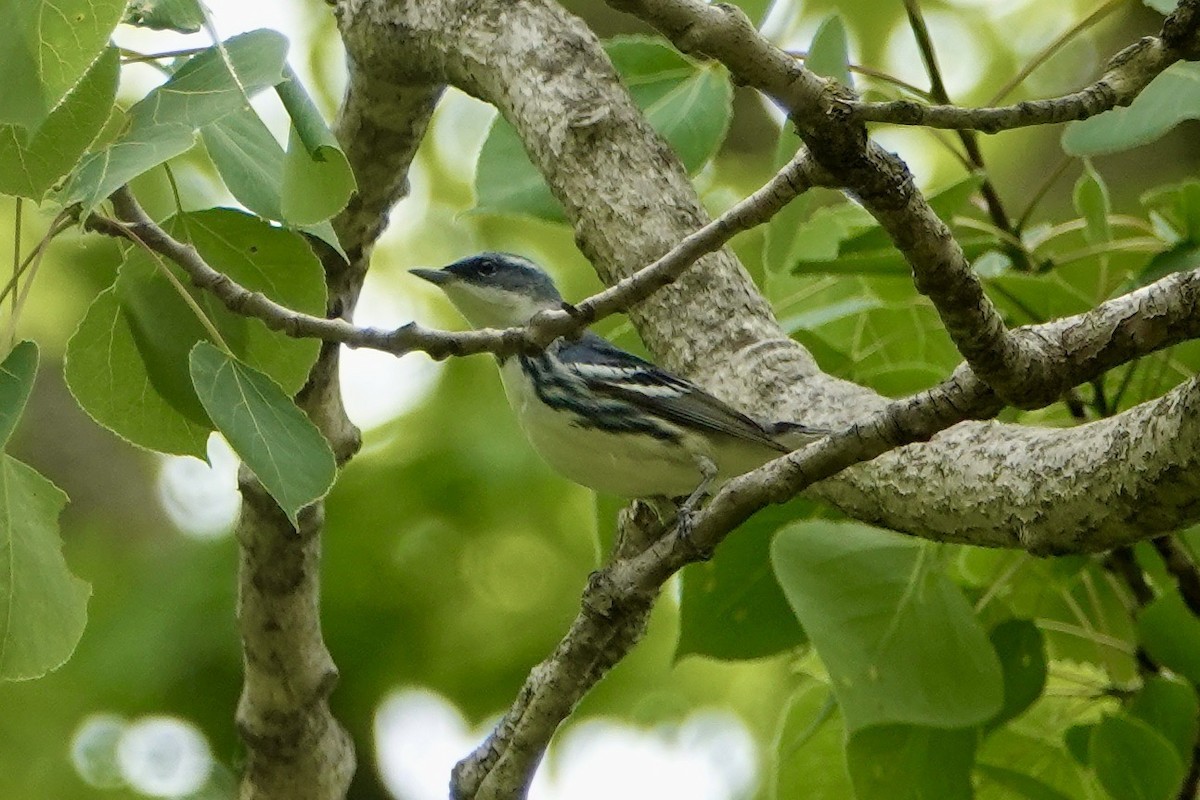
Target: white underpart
626,465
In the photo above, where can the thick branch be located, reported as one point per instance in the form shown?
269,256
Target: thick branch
294,746
1078,349
1016,367
630,201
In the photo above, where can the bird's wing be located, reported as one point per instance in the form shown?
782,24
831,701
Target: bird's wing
609,370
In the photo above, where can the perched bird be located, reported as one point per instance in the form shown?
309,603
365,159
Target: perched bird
600,416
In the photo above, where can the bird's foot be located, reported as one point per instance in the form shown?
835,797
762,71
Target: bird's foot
685,517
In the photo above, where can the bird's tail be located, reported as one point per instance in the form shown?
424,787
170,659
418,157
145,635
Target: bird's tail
794,435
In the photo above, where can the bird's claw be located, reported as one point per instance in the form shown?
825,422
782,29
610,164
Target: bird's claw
685,519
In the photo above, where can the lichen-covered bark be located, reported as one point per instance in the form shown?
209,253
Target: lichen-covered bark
294,746
629,200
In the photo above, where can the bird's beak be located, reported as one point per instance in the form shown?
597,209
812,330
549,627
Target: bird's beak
435,276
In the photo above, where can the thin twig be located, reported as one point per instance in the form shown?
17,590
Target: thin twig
132,235
970,141
870,72
796,177
1129,72
31,263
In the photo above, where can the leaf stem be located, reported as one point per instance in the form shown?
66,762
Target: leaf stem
1042,191
871,72
16,267
129,233
134,57
1053,47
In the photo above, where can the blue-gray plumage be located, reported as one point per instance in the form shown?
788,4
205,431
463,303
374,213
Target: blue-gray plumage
601,416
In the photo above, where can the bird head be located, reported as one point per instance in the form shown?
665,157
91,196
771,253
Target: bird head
495,290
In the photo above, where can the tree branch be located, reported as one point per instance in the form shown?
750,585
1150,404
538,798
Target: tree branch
1079,348
294,746
1125,76
630,201
793,179
1014,366
970,141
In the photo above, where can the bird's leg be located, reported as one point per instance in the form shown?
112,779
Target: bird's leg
689,507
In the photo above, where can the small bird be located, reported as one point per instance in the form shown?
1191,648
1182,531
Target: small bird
600,416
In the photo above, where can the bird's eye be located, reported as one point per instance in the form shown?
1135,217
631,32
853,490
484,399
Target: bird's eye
487,268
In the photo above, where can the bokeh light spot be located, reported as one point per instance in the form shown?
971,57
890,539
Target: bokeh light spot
201,500
377,386
94,750
164,757
710,755
961,57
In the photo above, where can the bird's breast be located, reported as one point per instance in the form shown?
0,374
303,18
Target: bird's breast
627,464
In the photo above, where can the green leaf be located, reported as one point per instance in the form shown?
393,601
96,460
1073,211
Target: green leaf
250,163
43,607
317,181
910,762
48,45
809,752
259,257
164,123
266,259
1168,100
106,374
1022,652
274,439
1179,205
855,244
16,382
731,606
1171,635
1070,288
30,165
1029,760
249,160
1018,784
689,104
184,16
1169,706
779,249
828,55
1133,761
899,640
1182,257
127,363
896,349
1092,203
1077,740
507,182
164,329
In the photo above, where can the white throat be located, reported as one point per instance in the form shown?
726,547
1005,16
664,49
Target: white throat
493,308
